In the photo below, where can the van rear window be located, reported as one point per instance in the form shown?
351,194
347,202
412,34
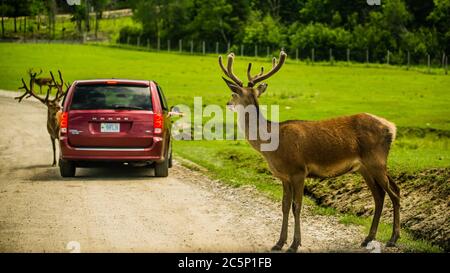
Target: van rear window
99,97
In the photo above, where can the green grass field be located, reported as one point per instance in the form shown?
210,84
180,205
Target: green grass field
411,99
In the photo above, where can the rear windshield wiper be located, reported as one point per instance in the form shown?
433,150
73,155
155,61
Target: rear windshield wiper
128,107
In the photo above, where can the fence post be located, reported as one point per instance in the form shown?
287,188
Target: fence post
296,54
228,47
148,44
409,60
367,56
180,45
168,45
217,47
446,65
128,40
203,47
331,55
256,50
158,46
443,59
192,47
348,55
312,56
139,41
428,62
387,57
242,50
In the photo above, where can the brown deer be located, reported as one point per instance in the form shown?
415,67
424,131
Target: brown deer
53,106
321,149
41,81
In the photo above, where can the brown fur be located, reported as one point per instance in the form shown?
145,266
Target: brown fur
42,82
328,148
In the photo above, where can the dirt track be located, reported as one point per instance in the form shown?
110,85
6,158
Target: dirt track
128,210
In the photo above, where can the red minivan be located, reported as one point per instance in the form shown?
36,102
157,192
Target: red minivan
112,121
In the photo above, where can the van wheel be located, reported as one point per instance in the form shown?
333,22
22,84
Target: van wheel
170,160
66,168
162,169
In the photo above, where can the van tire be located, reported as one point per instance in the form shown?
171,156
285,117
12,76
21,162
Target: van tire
162,169
66,168
170,160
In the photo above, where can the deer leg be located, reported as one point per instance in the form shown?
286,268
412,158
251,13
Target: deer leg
395,198
394,194
54,151
378,196
297,186
286,204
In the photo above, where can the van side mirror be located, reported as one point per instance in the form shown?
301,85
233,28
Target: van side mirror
175,111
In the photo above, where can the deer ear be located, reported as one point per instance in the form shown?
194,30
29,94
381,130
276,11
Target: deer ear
234,88
261,88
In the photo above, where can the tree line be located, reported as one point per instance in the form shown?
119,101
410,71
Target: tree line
416,28
413,27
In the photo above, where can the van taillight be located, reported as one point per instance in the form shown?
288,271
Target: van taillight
158,123
63,122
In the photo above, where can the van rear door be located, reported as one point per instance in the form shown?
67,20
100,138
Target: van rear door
110,116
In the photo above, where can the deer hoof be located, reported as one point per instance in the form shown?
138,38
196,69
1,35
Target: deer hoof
366,241
390,244
277,247
291,250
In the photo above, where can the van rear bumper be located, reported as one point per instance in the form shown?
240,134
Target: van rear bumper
152,153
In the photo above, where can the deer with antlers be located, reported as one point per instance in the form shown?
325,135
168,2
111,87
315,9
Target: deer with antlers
322,149
43,81
53,106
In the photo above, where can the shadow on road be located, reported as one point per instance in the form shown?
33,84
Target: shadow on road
37,166
48,173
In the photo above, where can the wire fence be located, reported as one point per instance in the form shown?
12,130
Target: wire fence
308,55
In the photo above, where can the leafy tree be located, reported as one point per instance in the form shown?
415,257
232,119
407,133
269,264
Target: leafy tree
18,8
163,18
440,17
213,20
99,6
51,12
264,30
420,10
78,16
319,36
5,10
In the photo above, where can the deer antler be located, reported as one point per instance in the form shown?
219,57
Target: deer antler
229,70
261,76
59,86
29,91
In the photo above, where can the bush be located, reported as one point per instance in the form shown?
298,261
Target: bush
263,31
129,32
320,37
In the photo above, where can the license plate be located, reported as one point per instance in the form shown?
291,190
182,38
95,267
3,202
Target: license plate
110,127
